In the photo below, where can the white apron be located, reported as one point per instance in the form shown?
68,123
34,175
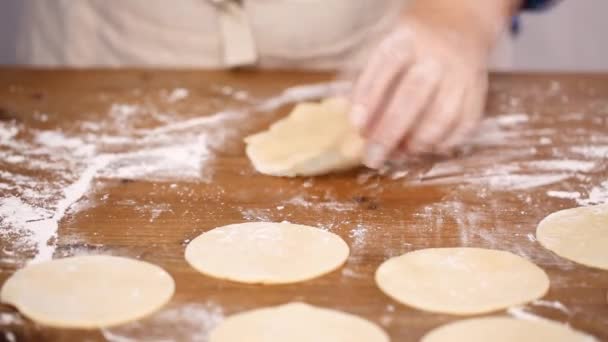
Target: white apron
313,34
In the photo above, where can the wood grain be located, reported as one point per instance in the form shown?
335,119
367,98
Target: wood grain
379,216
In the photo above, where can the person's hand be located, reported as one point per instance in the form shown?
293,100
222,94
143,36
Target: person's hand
424,87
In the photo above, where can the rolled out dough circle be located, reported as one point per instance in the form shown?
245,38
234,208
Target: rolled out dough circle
461,281
266,252
504,329
297,322
314,139
88,291
577,234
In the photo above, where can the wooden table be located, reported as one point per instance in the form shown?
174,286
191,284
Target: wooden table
528,162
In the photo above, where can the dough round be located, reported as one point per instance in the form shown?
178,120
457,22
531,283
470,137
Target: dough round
314,139
88,291
504,329
461,281
266,252
297,322
578,234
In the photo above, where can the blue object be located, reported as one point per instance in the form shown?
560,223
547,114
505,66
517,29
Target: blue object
537,4
530,5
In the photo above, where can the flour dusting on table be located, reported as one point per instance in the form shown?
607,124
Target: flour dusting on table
188,322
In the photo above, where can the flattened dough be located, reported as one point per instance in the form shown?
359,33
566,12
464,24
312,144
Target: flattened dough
577,234
505,329
297,322
461,281
266,252
88,291
314,139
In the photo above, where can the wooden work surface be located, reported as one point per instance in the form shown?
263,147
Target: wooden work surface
544,142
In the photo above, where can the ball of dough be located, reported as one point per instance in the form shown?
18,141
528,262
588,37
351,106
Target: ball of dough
578,234
88,291
461,281
297,322
314,139
504,329
266,252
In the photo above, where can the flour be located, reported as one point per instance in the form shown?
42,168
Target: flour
358,235
521,313
7,132
563,165
552,304
177,94
320,205
114,147
564,194
309,92
189,322
512,119
600,152
597,195
519,181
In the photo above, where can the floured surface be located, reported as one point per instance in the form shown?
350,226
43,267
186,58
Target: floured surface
461,281
297,322
180,171
88,291
502,329
314,139
266,252
577,234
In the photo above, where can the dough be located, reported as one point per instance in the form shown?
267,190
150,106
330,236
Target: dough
297,322
266,252
578,234
88,291
314,139
461,281
504,329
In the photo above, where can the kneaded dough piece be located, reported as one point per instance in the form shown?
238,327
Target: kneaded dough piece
461,281
266,252
505,329
88,291
314,139
577,234
297,322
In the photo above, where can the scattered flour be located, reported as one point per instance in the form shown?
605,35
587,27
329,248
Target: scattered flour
358,235
600,152
333,205
564,194
307,92
177,94
512,119
563,165
189,322
597,195
553,304
521,313
33,206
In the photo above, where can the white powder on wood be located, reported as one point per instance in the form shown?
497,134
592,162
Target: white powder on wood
189,322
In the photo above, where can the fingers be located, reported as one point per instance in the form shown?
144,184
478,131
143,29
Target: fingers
409,99
392,57
438,120
473,108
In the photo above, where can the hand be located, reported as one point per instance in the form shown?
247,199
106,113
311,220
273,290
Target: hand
424,87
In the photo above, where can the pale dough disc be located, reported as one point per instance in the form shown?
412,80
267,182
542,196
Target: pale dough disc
577,234
314,139
266,252
504,329
297,322
461,281
88,291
